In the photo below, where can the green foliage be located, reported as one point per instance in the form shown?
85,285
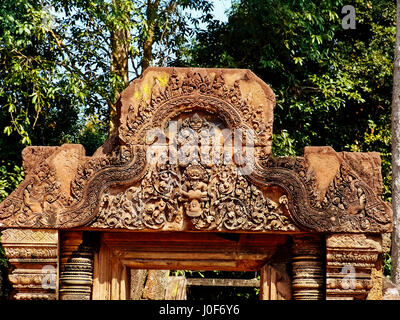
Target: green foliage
19,61
5,286
10,178
92,135
56,80
332,86
377,137
55,58
3,260
283,144
55,67
217,293
175,22
387,264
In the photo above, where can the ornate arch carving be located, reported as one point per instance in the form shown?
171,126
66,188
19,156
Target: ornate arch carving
117,188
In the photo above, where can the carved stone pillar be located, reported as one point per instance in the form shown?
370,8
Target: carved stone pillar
69,243
308,268
350,262
76,278
33,256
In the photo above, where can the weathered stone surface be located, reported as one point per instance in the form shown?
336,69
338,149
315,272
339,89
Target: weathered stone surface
386,242
121,187
149,284
205,178
176,288
32,255
238,96
376,291
324,164
390,290
275,282
46,190
76,279
367,165
351,266
35,155
137,282
212,196
308,270
340,202
156,284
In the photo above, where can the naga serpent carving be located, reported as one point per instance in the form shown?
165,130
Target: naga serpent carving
120,189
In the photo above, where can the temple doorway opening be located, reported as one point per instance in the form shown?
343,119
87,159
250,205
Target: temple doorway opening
194,285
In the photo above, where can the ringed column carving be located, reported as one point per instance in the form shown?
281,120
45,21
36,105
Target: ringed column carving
308,268
76,279
33,258
351,261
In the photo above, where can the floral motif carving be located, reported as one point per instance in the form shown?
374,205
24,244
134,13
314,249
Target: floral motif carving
350,260
348,205
23,252
32,156
213,196
195,186
32,255
194,90
39,201
119,156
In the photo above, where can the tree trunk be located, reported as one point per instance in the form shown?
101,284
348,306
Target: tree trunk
120,54
396,156
119,62
151,15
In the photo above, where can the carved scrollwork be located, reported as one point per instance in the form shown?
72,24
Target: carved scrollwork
39,203
119,188
191,91
213,196
148,205
348,204
32,255
39,199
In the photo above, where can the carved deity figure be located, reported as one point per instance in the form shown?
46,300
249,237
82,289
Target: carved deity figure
194,190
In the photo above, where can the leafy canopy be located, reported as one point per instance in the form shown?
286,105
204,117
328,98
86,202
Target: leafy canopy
333,86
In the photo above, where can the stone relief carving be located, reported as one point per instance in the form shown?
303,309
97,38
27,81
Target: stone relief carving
348,204
29,236
213,95
33,257
212,196
196,186
239,207
350,261
34,155
307,268
207,196
77,277
39,199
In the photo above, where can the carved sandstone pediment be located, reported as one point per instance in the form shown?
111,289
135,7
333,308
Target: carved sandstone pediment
193,152
192,175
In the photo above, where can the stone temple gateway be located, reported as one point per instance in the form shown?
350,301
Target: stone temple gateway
187,181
